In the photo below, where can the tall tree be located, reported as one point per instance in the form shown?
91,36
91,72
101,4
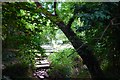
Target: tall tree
83,49
35,21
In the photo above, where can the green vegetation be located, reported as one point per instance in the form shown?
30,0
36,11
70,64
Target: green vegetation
67,64
92,28
17,71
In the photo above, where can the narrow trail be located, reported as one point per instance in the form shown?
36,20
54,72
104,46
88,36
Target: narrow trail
42,64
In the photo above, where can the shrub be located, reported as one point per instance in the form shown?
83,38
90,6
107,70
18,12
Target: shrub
17,71
63,63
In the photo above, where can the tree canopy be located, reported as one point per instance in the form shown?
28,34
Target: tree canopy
92,28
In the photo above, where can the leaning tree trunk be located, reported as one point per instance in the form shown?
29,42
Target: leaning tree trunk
84,51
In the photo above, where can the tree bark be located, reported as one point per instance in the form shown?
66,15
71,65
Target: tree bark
84,51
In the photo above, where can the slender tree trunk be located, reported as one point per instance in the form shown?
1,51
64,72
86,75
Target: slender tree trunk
85,52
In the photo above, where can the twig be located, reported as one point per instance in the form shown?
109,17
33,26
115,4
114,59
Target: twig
111,23
104,31
76,50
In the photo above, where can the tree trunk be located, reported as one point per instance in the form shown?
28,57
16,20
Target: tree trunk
84,51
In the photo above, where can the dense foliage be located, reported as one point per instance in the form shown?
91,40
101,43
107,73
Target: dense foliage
25,28
67,64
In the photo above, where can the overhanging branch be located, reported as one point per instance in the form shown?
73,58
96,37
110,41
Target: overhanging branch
42,10
49,15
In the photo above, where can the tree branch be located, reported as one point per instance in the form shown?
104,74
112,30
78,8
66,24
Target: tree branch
104,32
71,21
42,10
111,23
49,15
38,5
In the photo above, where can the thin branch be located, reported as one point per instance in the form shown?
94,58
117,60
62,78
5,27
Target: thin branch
76,50
104,32
111,23
116,24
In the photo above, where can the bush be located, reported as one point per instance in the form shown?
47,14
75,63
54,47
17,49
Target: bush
17,71
63,63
